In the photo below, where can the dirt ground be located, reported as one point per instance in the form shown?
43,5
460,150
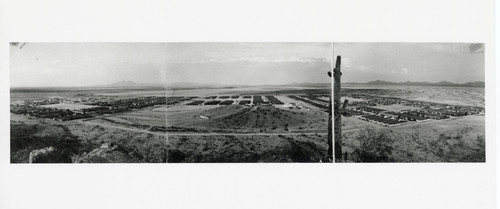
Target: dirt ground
80,139
77,139
452,140
468,96
141,119
242,119
250,148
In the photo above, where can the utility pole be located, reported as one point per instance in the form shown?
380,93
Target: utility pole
336,111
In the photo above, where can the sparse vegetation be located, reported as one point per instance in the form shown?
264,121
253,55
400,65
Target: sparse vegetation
459,138
302,148
374,146
82,143
135,136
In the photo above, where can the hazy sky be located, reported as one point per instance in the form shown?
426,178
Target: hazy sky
248,63
86,64
90,64
399,62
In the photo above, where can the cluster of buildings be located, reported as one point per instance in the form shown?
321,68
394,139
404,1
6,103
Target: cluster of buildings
100,106
313,100
247,100
45,112
366,110
382,120
47,101
316,100
175,100
131,102
266,100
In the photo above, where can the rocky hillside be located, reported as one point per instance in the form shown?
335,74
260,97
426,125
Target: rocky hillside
258,117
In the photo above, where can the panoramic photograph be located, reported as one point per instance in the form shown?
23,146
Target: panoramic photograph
248,102
87,103
410,102
170,102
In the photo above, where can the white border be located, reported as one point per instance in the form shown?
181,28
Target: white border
439,185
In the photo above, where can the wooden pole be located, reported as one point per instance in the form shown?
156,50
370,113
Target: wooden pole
336,111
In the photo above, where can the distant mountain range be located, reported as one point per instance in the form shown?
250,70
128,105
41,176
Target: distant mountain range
134,84
409,83
187,85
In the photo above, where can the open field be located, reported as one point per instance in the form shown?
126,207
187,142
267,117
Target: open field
244,119
251,90
20,94
469,96
142,119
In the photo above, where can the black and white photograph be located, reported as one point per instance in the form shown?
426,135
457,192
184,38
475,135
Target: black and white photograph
249,102
87,103
411,102
170,102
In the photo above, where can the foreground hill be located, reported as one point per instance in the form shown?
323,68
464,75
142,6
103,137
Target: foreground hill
263,148
41,140
235,118
260,117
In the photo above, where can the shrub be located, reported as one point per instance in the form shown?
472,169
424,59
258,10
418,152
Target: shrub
373,146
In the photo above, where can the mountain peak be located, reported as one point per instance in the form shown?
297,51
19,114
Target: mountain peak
441,83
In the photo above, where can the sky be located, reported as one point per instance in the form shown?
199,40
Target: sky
85,64
248,63
216,63
401,62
